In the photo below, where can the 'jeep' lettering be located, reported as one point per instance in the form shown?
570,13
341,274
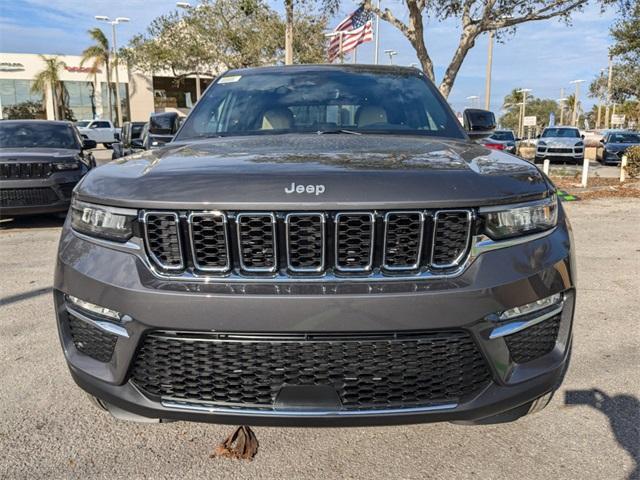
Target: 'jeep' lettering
311,189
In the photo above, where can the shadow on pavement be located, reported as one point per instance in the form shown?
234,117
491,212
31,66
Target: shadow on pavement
24,296
623,412
32,221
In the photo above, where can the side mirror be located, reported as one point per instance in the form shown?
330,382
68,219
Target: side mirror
582,136
479,123
88,144
164,123
137,143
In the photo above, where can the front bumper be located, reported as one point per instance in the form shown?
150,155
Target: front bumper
562,154
39,195
496,280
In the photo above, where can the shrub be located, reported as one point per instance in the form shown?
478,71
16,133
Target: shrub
633,162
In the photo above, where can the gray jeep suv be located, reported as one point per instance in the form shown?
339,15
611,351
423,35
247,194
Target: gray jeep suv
319,245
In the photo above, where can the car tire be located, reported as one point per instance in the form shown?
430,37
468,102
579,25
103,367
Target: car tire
106,145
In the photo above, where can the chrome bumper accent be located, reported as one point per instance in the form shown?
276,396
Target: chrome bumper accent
517,326
105,326
204,408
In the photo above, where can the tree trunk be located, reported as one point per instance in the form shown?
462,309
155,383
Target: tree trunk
107,66
416,38
288,35
54,100
467,41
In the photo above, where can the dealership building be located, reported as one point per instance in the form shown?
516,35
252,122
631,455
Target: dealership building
85,91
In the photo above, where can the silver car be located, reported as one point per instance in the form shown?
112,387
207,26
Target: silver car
560,143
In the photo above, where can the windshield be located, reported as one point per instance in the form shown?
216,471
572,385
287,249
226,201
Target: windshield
82,124
624,138
325,100
503,136
561,132
37,135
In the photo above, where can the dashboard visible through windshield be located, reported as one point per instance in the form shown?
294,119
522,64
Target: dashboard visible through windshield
321,100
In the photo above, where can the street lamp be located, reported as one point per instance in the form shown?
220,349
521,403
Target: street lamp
562,100
391,53
574,118
117,21
523,108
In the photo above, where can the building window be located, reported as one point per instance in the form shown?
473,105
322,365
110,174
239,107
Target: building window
18,102
124,101
80,100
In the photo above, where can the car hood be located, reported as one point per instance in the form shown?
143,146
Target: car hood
36,154
559,141
353,170
617,147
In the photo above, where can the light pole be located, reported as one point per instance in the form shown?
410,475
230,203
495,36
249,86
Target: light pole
574,118
523,108
599,117
487,85
562,100
187,6
377,47
606,109
118,20
391,53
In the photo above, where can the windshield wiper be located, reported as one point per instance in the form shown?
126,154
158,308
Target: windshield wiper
337,131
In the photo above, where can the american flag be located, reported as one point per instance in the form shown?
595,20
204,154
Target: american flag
356,29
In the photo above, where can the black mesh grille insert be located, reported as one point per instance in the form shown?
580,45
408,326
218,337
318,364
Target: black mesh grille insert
305,237
209,241
367,372
91,340
451,236
256,236
403,240
25,197
163,240
15,170
354,241
533,342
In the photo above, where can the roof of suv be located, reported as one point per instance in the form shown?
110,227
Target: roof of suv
358,67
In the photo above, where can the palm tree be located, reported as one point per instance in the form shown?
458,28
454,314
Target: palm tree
50,76
570,102
100,56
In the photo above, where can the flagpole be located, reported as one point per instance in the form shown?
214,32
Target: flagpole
340,51
377,49
355,55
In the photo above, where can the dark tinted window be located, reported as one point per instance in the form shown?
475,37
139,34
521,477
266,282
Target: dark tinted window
561,132
136,130
624,138
503,136
101,125
37,135
263,102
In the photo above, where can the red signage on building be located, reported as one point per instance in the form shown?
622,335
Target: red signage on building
82,69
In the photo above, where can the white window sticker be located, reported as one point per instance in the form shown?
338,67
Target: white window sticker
230,79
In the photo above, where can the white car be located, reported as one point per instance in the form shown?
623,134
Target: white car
561,143
101,131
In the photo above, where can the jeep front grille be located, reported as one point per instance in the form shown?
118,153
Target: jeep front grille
386,370
19,170
307,243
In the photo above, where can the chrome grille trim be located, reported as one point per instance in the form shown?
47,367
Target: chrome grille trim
194,256
369,266
464,251
322,218
243,266
158,262
415,265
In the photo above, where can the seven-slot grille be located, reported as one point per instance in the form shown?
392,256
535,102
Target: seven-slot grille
296,243
16,170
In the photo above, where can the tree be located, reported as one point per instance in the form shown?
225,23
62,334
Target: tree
476,17
223,34
540,107
99,55
50,76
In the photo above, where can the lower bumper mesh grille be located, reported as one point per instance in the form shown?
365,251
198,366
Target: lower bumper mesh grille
27,197
535,341
367,372
91,340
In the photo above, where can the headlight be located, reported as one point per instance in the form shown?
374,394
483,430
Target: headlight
579,144
541,143
101,221
505,222
66,166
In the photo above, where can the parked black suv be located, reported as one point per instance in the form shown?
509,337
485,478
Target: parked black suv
319,245
40,164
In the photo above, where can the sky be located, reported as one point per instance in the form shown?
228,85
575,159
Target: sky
543,56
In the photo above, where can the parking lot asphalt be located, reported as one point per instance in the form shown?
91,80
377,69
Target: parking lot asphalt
49,429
